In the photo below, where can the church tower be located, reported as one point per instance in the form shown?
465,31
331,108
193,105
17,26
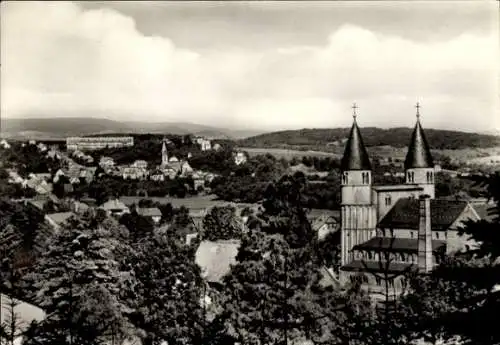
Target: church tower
357,212
419,166
164,155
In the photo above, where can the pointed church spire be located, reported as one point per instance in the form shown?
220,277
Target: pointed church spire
419,154
355,154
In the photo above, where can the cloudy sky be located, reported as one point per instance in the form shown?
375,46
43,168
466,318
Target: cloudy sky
259,65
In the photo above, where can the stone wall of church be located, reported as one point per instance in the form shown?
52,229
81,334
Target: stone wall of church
358,226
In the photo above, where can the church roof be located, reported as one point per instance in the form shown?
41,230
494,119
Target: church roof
405,214
378,266
355,154
396,244
419,154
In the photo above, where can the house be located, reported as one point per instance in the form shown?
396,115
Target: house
169,172
53,154
134,173
151,212
115,207
25,312
157,175
42,147
186,168
79,207
240,158
57,220
58,175
141,164
32,142
217,147
325,222
42,176
106,162
205,144
88,174
4,144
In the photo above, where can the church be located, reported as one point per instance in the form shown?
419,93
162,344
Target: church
390,230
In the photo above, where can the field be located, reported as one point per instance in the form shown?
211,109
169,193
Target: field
286,153
469,155
194,203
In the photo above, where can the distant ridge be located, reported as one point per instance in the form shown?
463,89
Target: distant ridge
314,138
58,128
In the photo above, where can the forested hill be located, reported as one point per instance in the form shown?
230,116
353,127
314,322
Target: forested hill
372,136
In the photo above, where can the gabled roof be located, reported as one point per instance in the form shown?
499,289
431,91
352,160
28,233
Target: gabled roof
149,212
215,258
60,217
355,154
419,154
114,205
485,211
405,214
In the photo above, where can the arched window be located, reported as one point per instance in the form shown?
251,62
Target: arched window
388,200
366,178
345,178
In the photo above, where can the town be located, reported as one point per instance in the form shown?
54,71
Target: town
147,187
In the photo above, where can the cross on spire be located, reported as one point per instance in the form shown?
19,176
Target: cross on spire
418,109
354,107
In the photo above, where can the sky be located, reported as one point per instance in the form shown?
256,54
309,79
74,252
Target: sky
255,65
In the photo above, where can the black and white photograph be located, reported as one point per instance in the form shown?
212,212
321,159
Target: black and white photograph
250,172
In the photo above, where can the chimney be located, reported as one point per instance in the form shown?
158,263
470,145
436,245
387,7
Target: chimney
424,259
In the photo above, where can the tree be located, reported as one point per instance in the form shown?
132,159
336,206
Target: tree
461,296
221,223
138,226
79,281
273,294
166,297
12,325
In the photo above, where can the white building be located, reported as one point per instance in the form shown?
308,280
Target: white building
96,143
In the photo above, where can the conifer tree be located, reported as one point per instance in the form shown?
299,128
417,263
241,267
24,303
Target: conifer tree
274,294
79,281
167,292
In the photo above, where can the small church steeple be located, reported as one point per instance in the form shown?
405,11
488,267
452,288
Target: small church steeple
419,164
356,168
419,154
355,154
164,154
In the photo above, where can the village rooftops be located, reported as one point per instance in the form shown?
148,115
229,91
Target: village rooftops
114,205
396,244
149,212
405,214
58,219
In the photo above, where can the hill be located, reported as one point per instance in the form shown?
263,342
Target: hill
56,128
321,139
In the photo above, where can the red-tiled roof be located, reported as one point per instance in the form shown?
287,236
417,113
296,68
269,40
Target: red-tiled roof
396,244
405,214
